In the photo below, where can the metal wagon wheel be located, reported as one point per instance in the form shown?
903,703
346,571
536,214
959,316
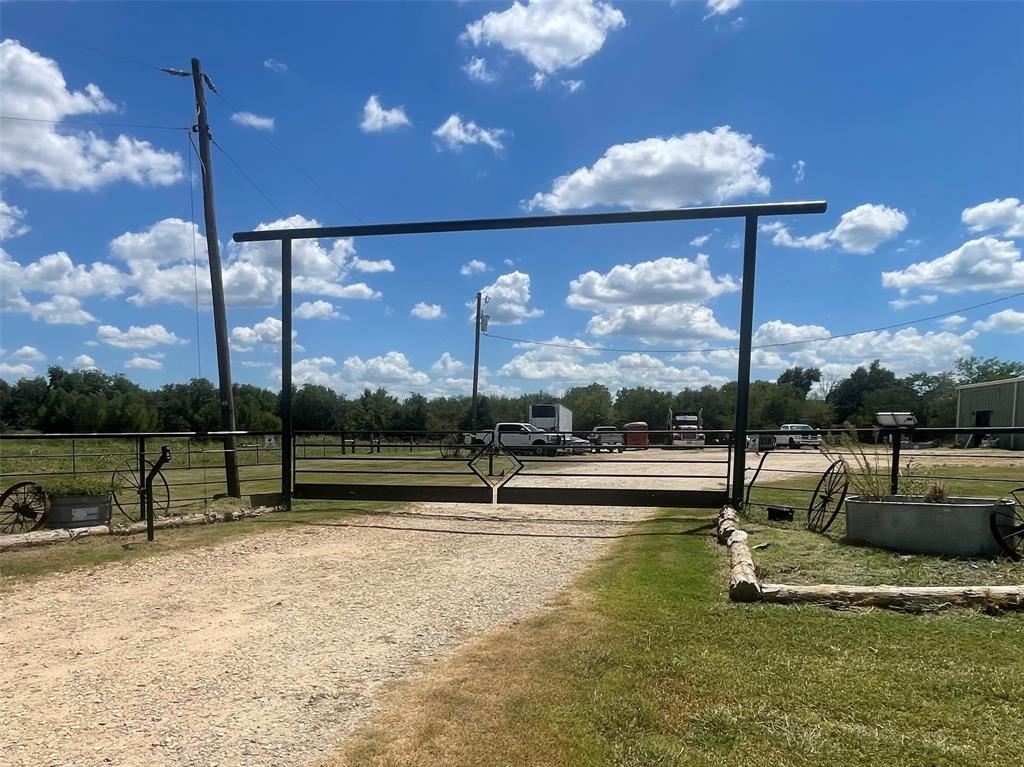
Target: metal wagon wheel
127,489
451,446
828,498
1008,525
22,508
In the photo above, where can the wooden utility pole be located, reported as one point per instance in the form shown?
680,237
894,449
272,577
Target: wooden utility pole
220,316
476,362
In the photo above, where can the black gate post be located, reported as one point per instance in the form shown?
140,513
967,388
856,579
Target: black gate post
894,470
739,456
286,374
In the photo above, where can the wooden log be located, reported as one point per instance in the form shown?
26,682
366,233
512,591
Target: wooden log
743,583
896,597
728,522
47,537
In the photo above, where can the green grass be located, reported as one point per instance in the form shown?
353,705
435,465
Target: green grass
794,555
17,567
648,664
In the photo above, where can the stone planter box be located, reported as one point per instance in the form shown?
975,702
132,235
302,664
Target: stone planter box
958,527
69,511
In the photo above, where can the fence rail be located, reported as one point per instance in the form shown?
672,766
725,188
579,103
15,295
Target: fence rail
393,464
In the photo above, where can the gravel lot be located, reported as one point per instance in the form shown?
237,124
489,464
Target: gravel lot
268,650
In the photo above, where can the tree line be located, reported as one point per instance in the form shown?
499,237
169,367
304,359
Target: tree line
94,401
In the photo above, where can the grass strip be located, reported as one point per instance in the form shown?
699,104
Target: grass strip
646,663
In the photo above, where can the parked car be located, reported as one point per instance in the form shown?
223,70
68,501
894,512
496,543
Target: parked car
797,435
607,438
576,445
517,438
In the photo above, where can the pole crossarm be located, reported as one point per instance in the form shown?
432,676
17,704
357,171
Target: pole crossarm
537,222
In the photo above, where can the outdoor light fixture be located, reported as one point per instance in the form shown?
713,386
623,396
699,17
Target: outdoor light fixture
896,420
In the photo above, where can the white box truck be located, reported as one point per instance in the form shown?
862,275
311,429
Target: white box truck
556,418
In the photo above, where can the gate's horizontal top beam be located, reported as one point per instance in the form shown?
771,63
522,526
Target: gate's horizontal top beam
536,222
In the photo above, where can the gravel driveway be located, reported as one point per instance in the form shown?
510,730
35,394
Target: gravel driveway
269,649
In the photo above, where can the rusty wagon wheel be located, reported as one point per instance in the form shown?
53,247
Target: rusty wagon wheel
22,508
451,446
828,498
127,489
1008,525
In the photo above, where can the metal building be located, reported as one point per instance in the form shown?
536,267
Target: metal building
993,403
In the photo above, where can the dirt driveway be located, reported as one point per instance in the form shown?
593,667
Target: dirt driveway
268,650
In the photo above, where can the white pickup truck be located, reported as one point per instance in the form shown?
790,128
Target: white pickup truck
607,438
797,435
518,438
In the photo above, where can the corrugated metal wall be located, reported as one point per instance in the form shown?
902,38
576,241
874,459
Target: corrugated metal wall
999,398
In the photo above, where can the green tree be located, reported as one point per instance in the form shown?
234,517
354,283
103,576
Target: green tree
801,379
980,369
21,403
590,405
847,398
412,414
377,410
314,407
643,404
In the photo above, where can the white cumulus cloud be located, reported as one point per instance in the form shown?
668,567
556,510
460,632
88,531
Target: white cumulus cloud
860,230
693,168
454,133
477,70
982,264
267,332
1006,321
377,119
137,337
903,303
662,281
550,34
84,361
11,218
144,363
317,310
27,354
49,155
509,300
1005,215
253,121
425,311
447,365
161,266
475,266
721,7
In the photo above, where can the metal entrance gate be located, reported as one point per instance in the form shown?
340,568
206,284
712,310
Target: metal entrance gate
290,472
448,466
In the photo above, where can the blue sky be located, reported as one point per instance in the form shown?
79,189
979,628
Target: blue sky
906,118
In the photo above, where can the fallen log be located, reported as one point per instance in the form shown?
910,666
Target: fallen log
46,537
728,523
896,597
743,583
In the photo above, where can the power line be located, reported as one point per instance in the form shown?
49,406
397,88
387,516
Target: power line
248,178
73,44
92,122
588,347
242,116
